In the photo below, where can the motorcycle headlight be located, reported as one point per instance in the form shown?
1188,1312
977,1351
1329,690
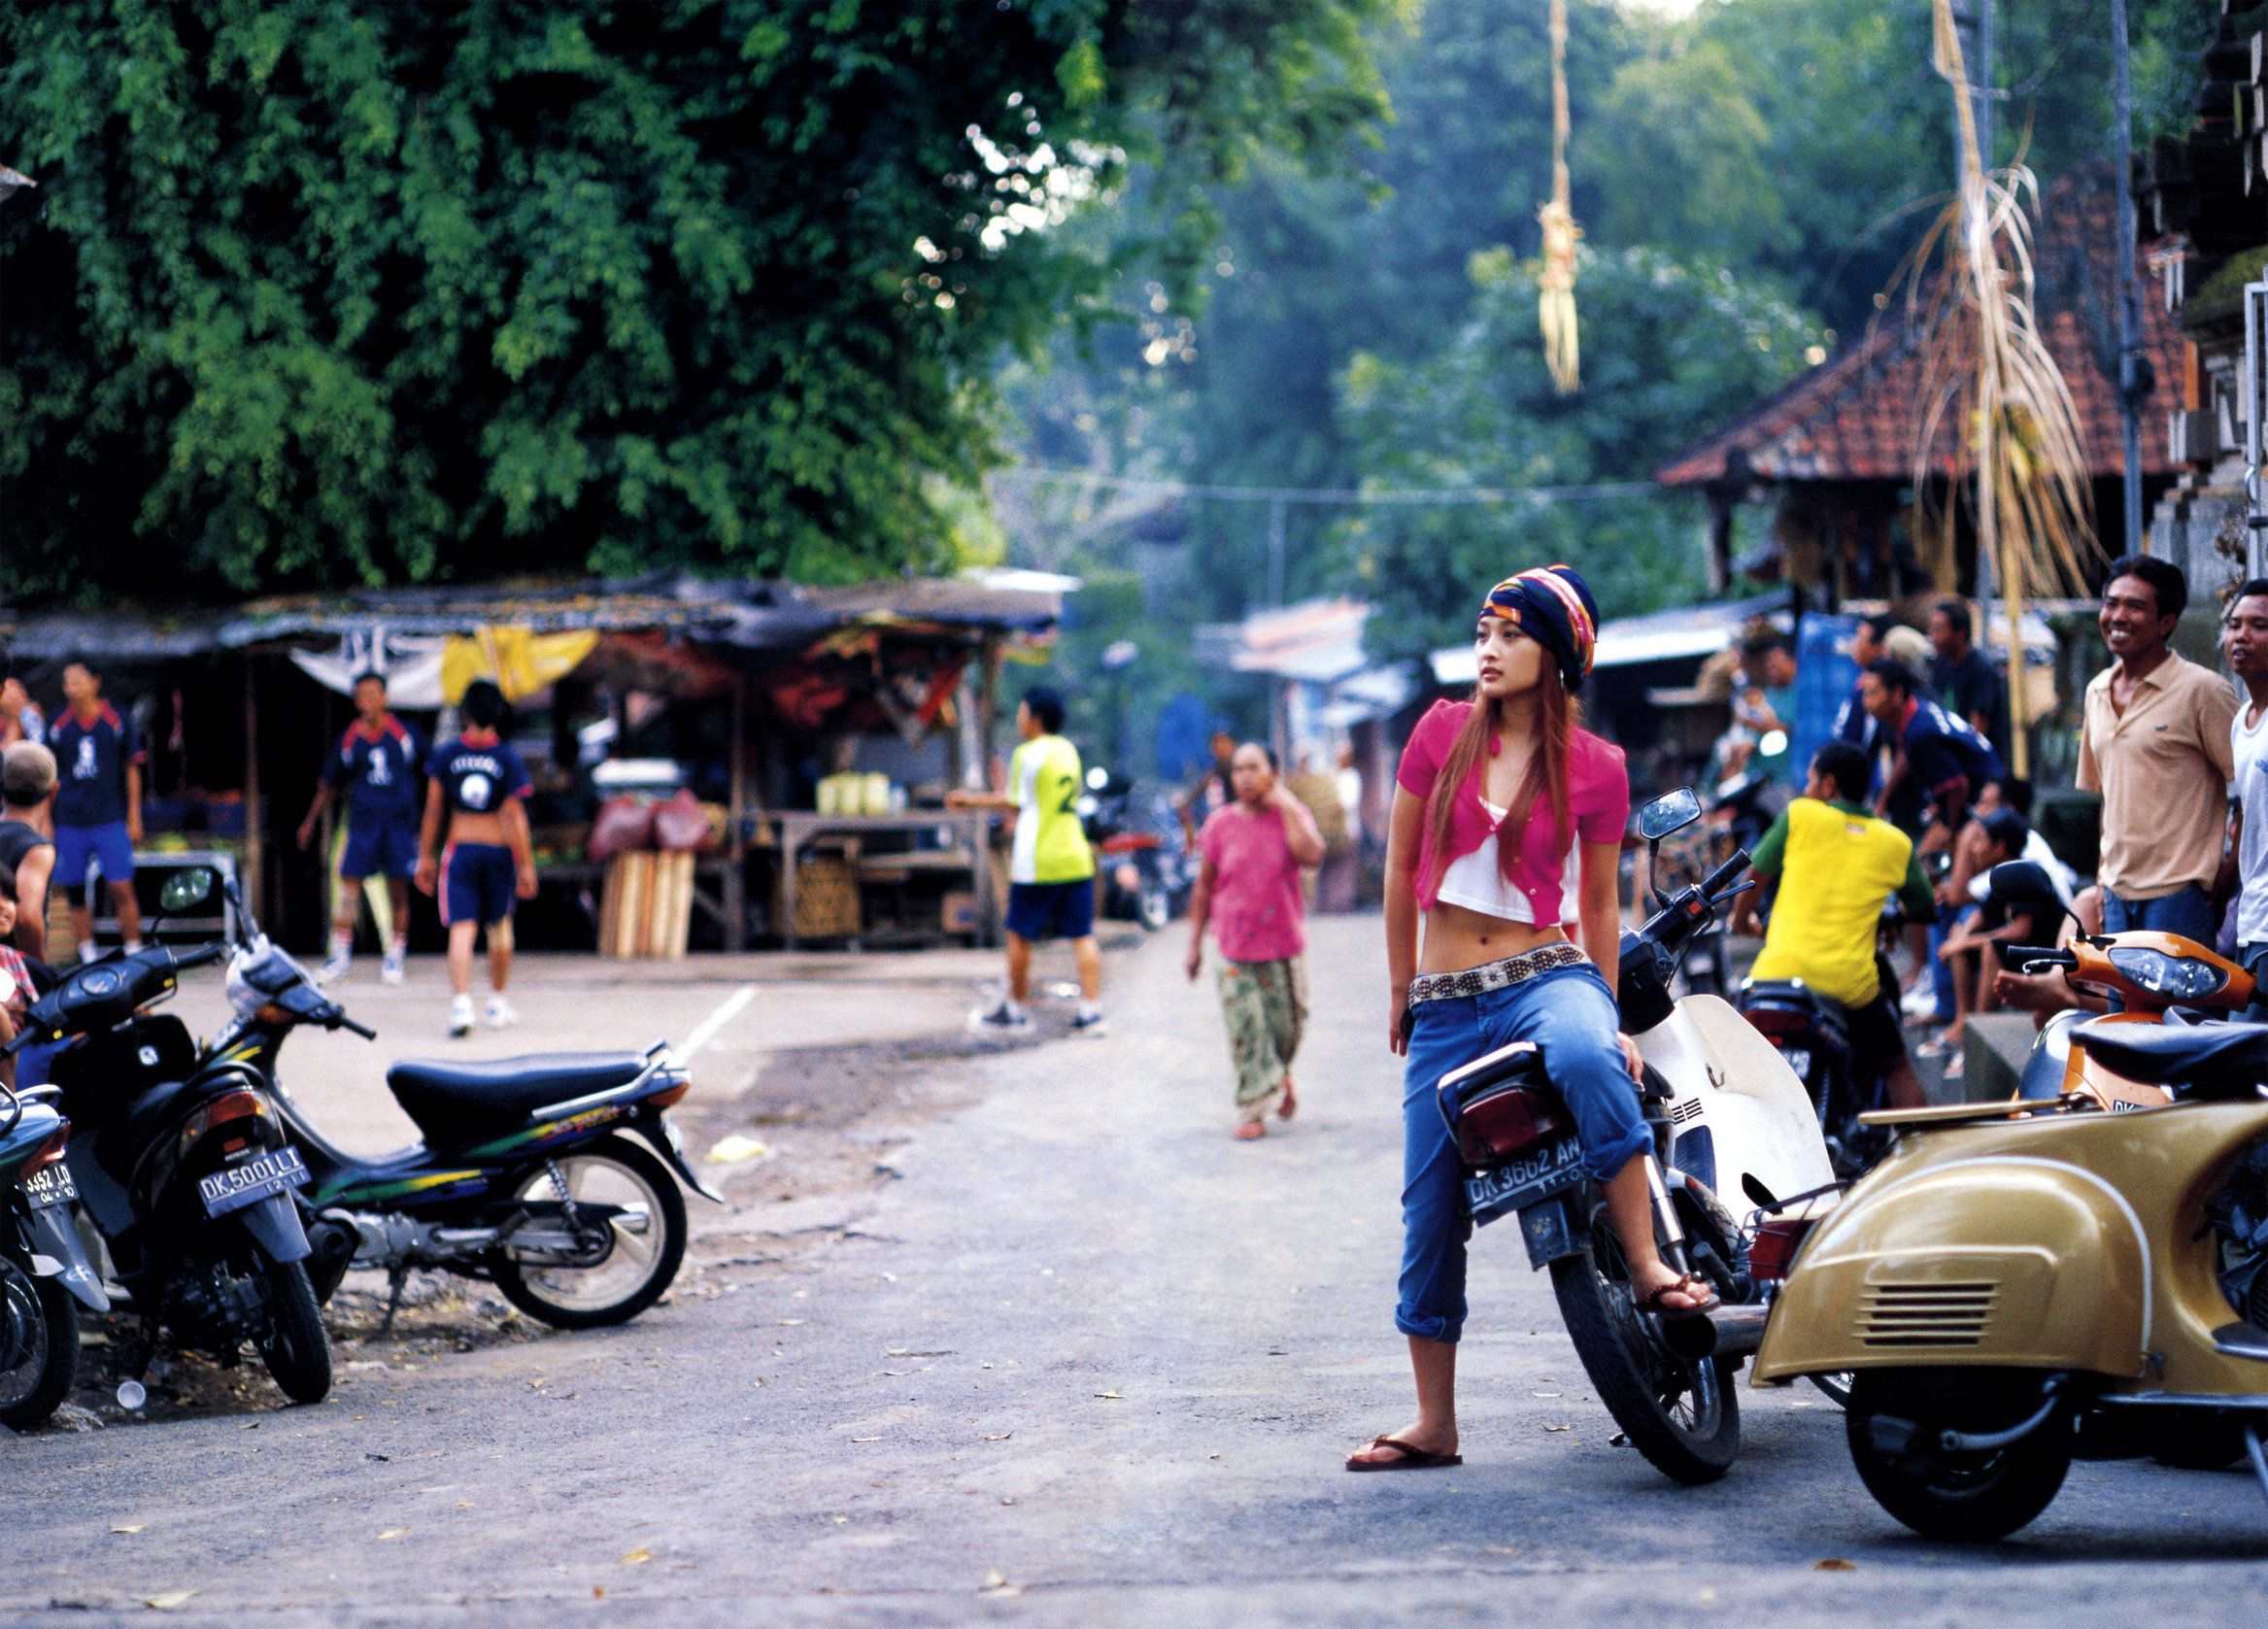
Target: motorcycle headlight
2174,977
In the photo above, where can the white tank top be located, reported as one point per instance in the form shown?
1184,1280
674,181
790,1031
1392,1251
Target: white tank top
1476,882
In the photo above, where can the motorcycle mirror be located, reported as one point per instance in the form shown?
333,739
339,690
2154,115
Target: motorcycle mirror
1672,811
193,885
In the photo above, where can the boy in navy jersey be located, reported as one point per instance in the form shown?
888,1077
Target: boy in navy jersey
477,792
98,803
379,763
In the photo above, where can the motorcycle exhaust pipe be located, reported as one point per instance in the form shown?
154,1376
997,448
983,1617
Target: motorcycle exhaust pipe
1728,1332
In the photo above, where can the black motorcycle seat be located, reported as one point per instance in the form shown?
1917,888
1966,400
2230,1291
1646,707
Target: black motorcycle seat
438,1094
2219,1055
1791,990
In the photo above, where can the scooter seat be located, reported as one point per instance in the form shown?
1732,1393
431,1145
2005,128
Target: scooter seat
1792,991
448,1099
2208,1057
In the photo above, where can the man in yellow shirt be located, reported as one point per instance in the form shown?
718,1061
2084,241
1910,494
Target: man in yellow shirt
1837,864
1051,871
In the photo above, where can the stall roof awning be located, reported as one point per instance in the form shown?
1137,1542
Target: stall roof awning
1690,631
749,615
1317,642
109,636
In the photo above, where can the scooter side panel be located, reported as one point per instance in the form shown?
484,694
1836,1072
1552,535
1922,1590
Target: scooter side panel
1760,1118
1995,1259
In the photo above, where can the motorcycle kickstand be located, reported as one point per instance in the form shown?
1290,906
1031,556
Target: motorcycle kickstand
2257,1455
397,1278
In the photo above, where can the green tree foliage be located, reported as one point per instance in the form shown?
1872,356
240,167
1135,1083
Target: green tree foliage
1667,345
323,291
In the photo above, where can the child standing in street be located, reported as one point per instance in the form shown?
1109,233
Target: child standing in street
476,804
1249,892
1051,869
376,760
98,804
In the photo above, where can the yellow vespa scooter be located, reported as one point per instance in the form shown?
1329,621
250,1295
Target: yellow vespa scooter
2020,1283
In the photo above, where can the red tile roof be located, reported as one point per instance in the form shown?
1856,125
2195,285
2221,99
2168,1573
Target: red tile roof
1858,415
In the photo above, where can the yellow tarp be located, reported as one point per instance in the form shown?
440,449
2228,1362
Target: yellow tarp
520,663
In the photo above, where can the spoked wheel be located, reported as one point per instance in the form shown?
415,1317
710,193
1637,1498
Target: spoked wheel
1681,1413
39,1345
1894,1422
296,1350
635,1238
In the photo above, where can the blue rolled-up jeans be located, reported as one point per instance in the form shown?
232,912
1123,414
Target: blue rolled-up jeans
1569,1014
2186,911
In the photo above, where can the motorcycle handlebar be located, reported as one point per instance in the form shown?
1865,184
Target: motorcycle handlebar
1726,872
204,956
351,1028
2025,955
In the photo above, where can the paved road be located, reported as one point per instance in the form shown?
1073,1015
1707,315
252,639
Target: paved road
1085,1360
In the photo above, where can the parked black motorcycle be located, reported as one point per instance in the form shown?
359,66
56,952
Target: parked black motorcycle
184,1164
44,1269
525,1178
1147,871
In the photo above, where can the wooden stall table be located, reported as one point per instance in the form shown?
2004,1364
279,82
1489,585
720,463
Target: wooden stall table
972,854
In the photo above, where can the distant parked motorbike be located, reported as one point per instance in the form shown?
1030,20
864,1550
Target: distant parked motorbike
44,1269
184,1164
1147,871
538,1174
1728,1119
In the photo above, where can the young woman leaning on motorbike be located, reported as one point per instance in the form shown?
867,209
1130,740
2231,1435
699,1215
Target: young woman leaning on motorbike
1505,807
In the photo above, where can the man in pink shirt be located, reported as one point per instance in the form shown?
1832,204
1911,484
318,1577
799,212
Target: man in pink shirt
1249,890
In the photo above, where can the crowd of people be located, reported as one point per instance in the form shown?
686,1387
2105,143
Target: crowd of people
451,820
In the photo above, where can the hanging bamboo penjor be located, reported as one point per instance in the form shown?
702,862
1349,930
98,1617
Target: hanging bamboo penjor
1556,286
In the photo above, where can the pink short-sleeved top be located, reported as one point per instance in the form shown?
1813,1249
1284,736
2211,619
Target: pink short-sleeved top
1258,911
1598,802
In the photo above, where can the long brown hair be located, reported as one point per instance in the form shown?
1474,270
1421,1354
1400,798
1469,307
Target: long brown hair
1546,778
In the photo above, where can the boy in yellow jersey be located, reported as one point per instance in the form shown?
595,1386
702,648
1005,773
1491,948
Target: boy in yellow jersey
1837,864
1051,871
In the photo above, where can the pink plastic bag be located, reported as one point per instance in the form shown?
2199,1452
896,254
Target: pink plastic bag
623,826
681,826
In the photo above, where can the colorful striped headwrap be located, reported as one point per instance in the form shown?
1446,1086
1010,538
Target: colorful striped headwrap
1555,607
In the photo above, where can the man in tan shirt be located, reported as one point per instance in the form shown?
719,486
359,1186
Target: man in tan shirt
2156,744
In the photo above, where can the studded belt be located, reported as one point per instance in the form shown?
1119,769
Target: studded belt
1495,975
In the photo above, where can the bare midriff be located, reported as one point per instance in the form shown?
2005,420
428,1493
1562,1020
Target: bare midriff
1457,939
468,827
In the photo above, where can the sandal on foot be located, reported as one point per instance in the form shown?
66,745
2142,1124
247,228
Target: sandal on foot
1705,1300
1412,1459
1290,1105
1250,1130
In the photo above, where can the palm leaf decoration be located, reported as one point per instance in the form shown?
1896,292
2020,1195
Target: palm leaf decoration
1972,302
1556,286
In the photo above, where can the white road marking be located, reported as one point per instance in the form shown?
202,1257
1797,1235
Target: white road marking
730,1009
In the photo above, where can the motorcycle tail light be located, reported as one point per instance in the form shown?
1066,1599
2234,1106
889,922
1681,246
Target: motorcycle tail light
220,1111
669,1095
1492,1128
1778,1020
1773,1251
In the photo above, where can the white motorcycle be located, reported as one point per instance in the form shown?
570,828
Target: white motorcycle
1734,1137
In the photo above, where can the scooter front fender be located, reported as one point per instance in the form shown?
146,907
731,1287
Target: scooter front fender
1995,1260
275,1227
55,1239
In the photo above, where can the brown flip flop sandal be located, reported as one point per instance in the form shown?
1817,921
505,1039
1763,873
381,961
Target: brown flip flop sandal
1412,1459
1291,1103
1687,1285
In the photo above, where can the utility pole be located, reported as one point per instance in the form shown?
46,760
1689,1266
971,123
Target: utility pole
1276,551
2134,370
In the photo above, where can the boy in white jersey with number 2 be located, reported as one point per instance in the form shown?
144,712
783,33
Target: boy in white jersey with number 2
1051,873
